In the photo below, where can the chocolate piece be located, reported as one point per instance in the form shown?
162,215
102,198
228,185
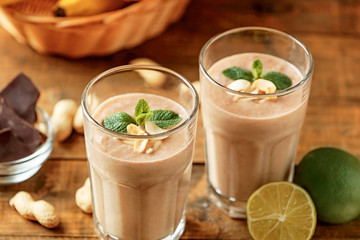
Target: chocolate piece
21,129
11,148
22,95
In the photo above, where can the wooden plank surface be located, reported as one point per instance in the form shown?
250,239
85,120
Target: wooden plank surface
58,181
329,28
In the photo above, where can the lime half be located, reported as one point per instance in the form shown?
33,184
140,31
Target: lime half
281,210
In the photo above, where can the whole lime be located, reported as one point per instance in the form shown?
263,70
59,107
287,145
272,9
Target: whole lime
332,177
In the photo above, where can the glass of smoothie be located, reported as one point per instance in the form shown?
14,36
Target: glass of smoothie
255,85
140,143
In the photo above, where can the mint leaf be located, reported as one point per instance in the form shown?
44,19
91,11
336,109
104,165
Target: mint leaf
280,80
165,118
142,107
118,122
140,119
142,112
256,68
236,73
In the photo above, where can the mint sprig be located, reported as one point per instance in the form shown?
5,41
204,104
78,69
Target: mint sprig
165,118
235,73
256,69
142,112
119,121
280,80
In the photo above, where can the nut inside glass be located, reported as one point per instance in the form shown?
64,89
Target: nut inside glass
251,139
139,196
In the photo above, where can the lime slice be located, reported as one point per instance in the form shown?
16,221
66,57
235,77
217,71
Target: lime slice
281,210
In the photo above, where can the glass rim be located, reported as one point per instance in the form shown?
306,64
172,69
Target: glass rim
124,68
286,91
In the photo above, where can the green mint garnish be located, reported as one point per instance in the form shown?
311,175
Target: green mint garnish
256,68
280,80
142,112
165,118
235,73
118,122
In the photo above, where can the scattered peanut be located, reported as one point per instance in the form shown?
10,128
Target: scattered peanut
40,211
152,78
41,126
78,122
62,118
83,197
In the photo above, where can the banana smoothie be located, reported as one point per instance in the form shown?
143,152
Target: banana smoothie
139,194
250,139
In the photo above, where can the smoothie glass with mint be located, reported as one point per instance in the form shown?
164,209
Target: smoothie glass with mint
255,85
140,144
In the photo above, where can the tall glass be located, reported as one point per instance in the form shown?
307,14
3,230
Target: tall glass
251,139
139,195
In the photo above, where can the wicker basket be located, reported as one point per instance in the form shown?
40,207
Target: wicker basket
75,37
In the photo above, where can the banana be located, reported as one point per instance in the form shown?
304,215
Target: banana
70,8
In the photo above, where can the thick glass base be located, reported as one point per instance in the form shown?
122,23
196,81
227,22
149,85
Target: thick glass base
105,236
234,208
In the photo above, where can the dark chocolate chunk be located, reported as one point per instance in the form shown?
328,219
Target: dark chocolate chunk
22,95
21,129
11,148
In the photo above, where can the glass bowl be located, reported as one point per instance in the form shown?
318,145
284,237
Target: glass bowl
22,169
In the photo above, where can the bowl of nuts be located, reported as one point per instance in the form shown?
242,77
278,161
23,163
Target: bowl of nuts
26,132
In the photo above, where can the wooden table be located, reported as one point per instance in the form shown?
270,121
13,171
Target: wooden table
329,28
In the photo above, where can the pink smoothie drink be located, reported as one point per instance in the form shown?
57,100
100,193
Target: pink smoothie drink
251,136
139,194
250,143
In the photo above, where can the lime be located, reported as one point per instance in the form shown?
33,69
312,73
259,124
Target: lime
281,210
332,177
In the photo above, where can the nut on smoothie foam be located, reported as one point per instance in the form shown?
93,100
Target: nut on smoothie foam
140,186
250,140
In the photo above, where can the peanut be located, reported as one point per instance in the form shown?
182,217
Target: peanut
62,118
78,122
83,197
152,78
40,211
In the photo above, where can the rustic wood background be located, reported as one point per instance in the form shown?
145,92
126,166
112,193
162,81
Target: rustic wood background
329,28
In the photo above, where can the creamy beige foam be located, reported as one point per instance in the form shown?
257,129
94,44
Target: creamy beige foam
250,143
139,195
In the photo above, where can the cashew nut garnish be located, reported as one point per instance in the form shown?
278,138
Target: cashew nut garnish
144,145
264,86
240,85
259,87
